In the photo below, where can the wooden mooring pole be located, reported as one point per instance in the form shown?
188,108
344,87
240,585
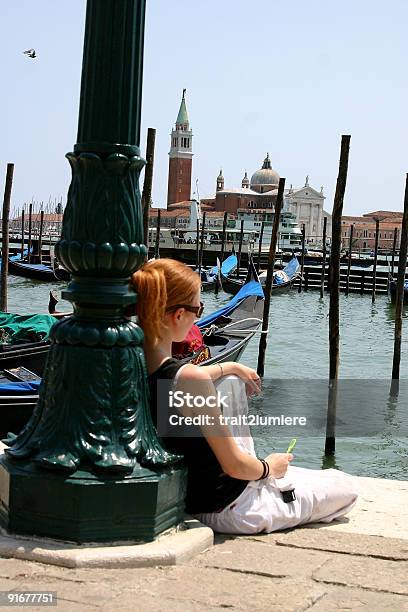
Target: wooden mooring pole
302,260
241,236
197,243
394,246
224,232
334,332
269,278
5,236
30,215
148,182
260,245
22,233
40,234
224,229
399,300
349,259
157,243
200,258
377,233
324,257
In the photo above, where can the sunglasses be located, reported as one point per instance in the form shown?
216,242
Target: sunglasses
197,310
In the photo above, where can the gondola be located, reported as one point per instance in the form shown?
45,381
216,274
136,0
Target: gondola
37,271
209,277
392,289
30,355
226,333
282,279
24,341
15,257
17,400
228,330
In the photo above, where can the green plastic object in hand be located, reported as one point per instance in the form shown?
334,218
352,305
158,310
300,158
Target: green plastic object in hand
292,445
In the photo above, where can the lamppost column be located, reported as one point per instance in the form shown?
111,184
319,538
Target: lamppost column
89,459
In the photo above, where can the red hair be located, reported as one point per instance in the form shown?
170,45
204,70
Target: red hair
160,284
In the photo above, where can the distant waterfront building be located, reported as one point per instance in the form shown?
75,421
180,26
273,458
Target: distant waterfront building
289,237
178,215
180,158
259,194
52,222
256,195
306,204
364,230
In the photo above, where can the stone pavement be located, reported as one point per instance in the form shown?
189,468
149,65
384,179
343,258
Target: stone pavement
359,563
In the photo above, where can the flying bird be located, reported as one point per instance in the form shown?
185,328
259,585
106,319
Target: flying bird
30,53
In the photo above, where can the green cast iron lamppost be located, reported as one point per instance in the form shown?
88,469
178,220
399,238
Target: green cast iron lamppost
89,466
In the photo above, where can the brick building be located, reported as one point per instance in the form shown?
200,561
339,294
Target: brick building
364,230
178,215
52,222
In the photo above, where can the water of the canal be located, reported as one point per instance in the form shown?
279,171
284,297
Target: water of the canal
373,432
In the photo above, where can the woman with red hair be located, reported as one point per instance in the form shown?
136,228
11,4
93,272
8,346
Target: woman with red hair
228,487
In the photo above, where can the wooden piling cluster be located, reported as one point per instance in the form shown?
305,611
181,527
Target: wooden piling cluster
358,281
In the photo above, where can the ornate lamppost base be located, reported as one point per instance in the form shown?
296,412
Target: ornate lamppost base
85,508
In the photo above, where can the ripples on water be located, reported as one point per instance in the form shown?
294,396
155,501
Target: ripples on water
297,366
296,371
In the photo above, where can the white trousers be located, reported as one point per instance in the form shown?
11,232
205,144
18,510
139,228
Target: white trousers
321,495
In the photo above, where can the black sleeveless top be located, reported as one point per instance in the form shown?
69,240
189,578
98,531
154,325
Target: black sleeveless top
208,488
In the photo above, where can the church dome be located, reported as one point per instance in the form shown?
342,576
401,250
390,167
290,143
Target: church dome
266,178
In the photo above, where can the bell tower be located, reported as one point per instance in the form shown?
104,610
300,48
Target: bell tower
220,182
180,158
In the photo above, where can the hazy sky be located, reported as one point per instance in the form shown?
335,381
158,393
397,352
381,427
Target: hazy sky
287,78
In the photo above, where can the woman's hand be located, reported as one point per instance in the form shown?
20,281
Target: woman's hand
250,376
278,464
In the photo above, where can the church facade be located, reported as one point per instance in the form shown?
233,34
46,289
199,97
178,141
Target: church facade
259,194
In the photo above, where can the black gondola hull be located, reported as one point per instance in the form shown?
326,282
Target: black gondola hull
227,343
33,271
27,355
232,285
393,292
27,271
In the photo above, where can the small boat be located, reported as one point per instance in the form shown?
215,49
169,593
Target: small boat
228,330
30,355
37,271
226,333
16,257
209,277
392,289
282,279
24,340
17,399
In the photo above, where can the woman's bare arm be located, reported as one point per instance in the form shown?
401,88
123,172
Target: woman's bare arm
236,463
